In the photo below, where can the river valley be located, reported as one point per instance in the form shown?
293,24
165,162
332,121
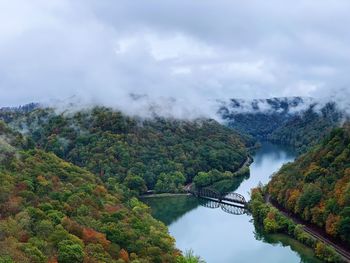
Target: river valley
219,237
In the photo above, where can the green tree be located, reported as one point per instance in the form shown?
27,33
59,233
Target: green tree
6,259
135,182
189,257
311,195
70,252
170,182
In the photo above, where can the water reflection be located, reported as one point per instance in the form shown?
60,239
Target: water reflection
232,209
267,160
273,153
305,254
229,185
208,203
170,209
219,237
228,208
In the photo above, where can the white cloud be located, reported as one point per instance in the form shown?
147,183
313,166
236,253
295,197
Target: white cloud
101,51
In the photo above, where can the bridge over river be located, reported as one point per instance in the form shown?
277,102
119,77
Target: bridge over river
227,199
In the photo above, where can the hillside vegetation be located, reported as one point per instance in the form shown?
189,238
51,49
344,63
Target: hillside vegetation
70,181
52,210
305,130
289,121
160,154
268,219
316,187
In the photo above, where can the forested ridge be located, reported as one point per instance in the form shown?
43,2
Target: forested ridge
70,182
316,187
283,122
160,154
305,130
52,210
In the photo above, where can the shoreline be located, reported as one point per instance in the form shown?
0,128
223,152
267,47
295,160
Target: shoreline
164,195
282,221
247,162
314,231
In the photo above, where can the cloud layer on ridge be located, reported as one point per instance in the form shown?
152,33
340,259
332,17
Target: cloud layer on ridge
191,51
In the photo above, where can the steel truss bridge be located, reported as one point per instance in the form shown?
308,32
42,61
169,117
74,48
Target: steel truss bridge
232,203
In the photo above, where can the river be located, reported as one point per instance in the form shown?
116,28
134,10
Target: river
219,237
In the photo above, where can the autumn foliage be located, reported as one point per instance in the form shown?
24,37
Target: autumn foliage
92,236
53,211
316,186
124,255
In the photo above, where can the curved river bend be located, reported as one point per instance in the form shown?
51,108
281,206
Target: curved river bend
219,237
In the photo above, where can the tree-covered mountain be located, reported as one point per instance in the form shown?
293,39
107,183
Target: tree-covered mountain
295,121
83,208
158,153
316,187
52,210
259,117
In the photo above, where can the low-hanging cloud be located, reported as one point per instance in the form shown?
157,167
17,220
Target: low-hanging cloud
188,52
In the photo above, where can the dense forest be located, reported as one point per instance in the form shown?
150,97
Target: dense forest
52,210
303,131
70,181
269,220
259,118
160,154
316,187
284,120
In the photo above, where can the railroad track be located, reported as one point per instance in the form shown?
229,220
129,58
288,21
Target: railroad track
345,254
341,251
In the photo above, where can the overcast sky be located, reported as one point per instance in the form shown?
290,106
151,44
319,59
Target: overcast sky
191,50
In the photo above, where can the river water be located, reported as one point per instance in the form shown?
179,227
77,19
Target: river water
219,237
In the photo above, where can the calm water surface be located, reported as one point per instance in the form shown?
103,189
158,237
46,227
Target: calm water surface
219,237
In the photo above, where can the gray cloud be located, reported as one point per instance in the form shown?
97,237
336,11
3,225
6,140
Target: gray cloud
193,51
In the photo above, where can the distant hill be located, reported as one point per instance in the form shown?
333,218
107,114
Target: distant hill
21,109
296,121
9,114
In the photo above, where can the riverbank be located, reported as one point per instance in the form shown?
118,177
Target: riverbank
274,220
241,171
232,238
164,195
313,230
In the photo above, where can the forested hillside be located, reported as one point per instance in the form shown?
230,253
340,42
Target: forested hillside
259,117
290,121
308,128
160,154
82,208
316,187
52,210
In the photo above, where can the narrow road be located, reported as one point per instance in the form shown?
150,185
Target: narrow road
246,163
340,249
